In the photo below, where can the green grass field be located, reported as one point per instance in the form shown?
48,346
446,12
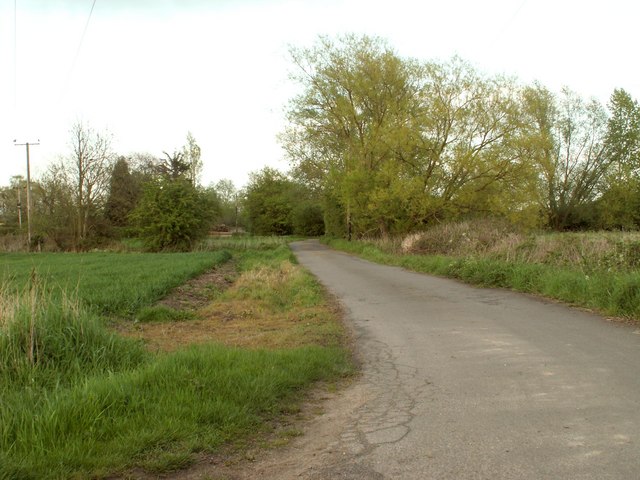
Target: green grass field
111,283
79,401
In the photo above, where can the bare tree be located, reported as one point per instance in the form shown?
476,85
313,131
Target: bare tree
88,170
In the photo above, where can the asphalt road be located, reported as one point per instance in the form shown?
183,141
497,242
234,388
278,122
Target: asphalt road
468,383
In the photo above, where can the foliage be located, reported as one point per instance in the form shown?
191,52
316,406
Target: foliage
623,133
269,203
191,153
619,206
54,209
381,145
569,148
395,144
308,219
124,193
173,214
174,167
229,197
13,205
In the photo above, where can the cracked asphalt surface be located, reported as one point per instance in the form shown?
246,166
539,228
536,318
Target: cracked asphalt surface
467,383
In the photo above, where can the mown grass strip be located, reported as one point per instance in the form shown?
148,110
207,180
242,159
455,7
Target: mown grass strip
611,293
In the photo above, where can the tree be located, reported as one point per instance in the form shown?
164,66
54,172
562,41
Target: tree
173,214
622,139
307,219
568,145
619,206
347,122
87,170
465,155
54,207
228,197
173,167
124,192
269,203
395,144
191,154
13,205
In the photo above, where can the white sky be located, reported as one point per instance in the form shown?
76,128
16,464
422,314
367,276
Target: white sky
151,70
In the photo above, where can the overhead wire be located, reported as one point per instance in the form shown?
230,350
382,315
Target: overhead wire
77,55
15,56
507,24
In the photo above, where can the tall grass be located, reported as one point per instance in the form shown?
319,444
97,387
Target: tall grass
586,251
611,290
49,338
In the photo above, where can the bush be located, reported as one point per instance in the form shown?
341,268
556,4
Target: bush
173,214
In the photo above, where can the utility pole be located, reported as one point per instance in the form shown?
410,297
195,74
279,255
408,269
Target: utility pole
20,207
28,189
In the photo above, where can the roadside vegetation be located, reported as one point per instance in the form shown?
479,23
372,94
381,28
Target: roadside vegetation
86,392
595,270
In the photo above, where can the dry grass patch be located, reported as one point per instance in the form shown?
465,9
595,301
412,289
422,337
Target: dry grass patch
265,307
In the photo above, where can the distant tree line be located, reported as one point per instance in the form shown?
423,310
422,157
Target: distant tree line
378,144
91,197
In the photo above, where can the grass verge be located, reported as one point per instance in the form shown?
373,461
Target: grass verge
614,293
159,416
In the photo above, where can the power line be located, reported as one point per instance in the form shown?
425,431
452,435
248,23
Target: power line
508,23
75,59
513,17
15,56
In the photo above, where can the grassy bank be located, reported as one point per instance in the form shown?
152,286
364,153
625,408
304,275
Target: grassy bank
79,401
605,283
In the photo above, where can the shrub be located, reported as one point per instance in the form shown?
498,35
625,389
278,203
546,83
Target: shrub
173,214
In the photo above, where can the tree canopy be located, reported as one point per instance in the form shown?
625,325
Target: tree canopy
394,144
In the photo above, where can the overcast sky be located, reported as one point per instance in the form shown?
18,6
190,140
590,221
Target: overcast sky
149,71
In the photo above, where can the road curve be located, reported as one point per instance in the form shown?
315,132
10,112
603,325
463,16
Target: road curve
468,383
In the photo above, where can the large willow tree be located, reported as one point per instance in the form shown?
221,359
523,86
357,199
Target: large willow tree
394,144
